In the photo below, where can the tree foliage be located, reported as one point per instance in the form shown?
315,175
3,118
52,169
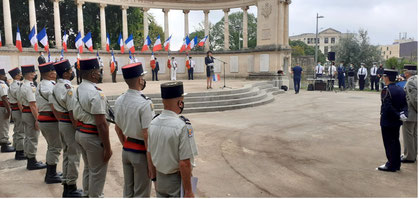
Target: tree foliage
299,48
397,64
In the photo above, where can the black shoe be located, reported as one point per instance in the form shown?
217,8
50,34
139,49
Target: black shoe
20,155
404,160
33,164
51,176
7,149
386,168
71,191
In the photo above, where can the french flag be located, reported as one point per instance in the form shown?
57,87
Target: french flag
167,43
18,40
121,43
193,42
65,39
202,42
108,42
33,39
131,58
112,62
157,44
78,60
1,44
147,43
130,44
185,44
79,43
88,41
43,38
216,77
62,55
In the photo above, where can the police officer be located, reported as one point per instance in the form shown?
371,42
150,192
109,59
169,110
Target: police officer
410,126
92,131
4,115
15,105
374,76
29,117
351,77
393,112
362,76
61,98
341,76
172,144
134,111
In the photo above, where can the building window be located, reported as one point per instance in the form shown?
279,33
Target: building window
308,41
332,40
387,47
318,40
326,40
326,49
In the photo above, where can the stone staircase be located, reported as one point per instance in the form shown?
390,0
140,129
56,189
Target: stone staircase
250,95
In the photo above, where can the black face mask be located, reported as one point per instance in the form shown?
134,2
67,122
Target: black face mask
145,83
181,106
36,77
21,78
72,76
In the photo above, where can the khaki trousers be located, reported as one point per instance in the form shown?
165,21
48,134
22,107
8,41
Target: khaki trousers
410,140
52,135
19,133
71,153
4,126
168,185
31,135
137,184
94,174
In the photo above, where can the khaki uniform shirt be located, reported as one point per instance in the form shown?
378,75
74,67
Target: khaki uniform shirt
3,89
170,140
27,92
88,101
411,89
62,96
14,91
133,112
43,92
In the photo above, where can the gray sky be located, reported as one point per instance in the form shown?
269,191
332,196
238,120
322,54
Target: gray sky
383,19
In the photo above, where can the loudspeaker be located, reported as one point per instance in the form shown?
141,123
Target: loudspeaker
310,87
331,56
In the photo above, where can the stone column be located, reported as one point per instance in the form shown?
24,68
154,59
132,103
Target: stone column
57,24
206,26
145,21
245,36
124,22
226,30
281,23
286,22
103,26
7,23
32,15
80,23
186,16
166,23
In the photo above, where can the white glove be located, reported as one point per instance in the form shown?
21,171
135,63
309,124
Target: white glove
403,117
211,64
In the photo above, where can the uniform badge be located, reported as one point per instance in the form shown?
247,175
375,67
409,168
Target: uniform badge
3,86
33,89
190,133
102,95
70,93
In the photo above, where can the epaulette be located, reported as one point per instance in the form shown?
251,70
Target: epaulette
186,120
67,86
145,97
53,83
97,88
156,116
33,85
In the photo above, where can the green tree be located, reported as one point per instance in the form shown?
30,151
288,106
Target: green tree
299,48
398,64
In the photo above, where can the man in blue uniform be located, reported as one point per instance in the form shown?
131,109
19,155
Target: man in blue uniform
393,113
341,76
297,71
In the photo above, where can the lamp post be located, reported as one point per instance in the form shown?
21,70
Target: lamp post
317,36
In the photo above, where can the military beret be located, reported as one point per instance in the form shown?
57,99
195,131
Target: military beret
170,90
28,69
46,67
410,67
2,72
133,70
89,64
14,72
62,66
390,72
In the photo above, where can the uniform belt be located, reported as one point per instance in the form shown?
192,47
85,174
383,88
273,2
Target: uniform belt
14,106
134,145
65,117
47,116
26,109
87,128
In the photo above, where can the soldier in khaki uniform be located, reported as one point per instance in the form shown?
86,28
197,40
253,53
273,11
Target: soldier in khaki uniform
92,133
48,122
171,144
410,126
29,115
15,105
61,98
133,114
4,115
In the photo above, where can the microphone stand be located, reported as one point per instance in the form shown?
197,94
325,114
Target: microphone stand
224,66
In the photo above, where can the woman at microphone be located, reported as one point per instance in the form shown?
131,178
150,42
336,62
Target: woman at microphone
209,61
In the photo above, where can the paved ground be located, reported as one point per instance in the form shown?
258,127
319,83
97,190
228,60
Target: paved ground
315,144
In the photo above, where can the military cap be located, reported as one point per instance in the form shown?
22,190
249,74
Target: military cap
363,64
170,90
14,72
374,63
46,67
133,70
89,64
410,67
390,73
2,72
28,69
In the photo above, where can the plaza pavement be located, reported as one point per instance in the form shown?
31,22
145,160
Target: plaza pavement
314,144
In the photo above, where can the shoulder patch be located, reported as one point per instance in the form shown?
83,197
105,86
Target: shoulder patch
67,86
190,132
102,96
70,93
3,85
186,120
97,88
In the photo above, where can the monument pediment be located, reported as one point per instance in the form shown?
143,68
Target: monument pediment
330,31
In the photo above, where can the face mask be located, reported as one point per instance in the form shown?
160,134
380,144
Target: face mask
72,76
21,78
145,83
36,77
100,78
341,64
181,106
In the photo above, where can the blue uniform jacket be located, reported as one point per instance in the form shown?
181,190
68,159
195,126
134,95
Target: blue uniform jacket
341,71
393,102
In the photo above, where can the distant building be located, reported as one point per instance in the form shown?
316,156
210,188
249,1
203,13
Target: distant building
326,39
401,48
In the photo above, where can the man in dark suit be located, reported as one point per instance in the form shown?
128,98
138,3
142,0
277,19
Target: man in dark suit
41,58
155,71
297,71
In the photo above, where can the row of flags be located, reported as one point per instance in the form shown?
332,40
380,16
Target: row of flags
87,41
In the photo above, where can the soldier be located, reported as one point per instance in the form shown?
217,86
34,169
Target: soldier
134,111
4,115
29,116
171,144
393,112
48,122
61,98
173,69
410,126
362,76
15,105
92,131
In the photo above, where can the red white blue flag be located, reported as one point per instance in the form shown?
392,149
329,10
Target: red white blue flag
108,42
157,44
167,43
121,43
185,44
202,42
79,43
146,45
193,42
33,39
43,38
18,40
88,41
65,39
130,44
